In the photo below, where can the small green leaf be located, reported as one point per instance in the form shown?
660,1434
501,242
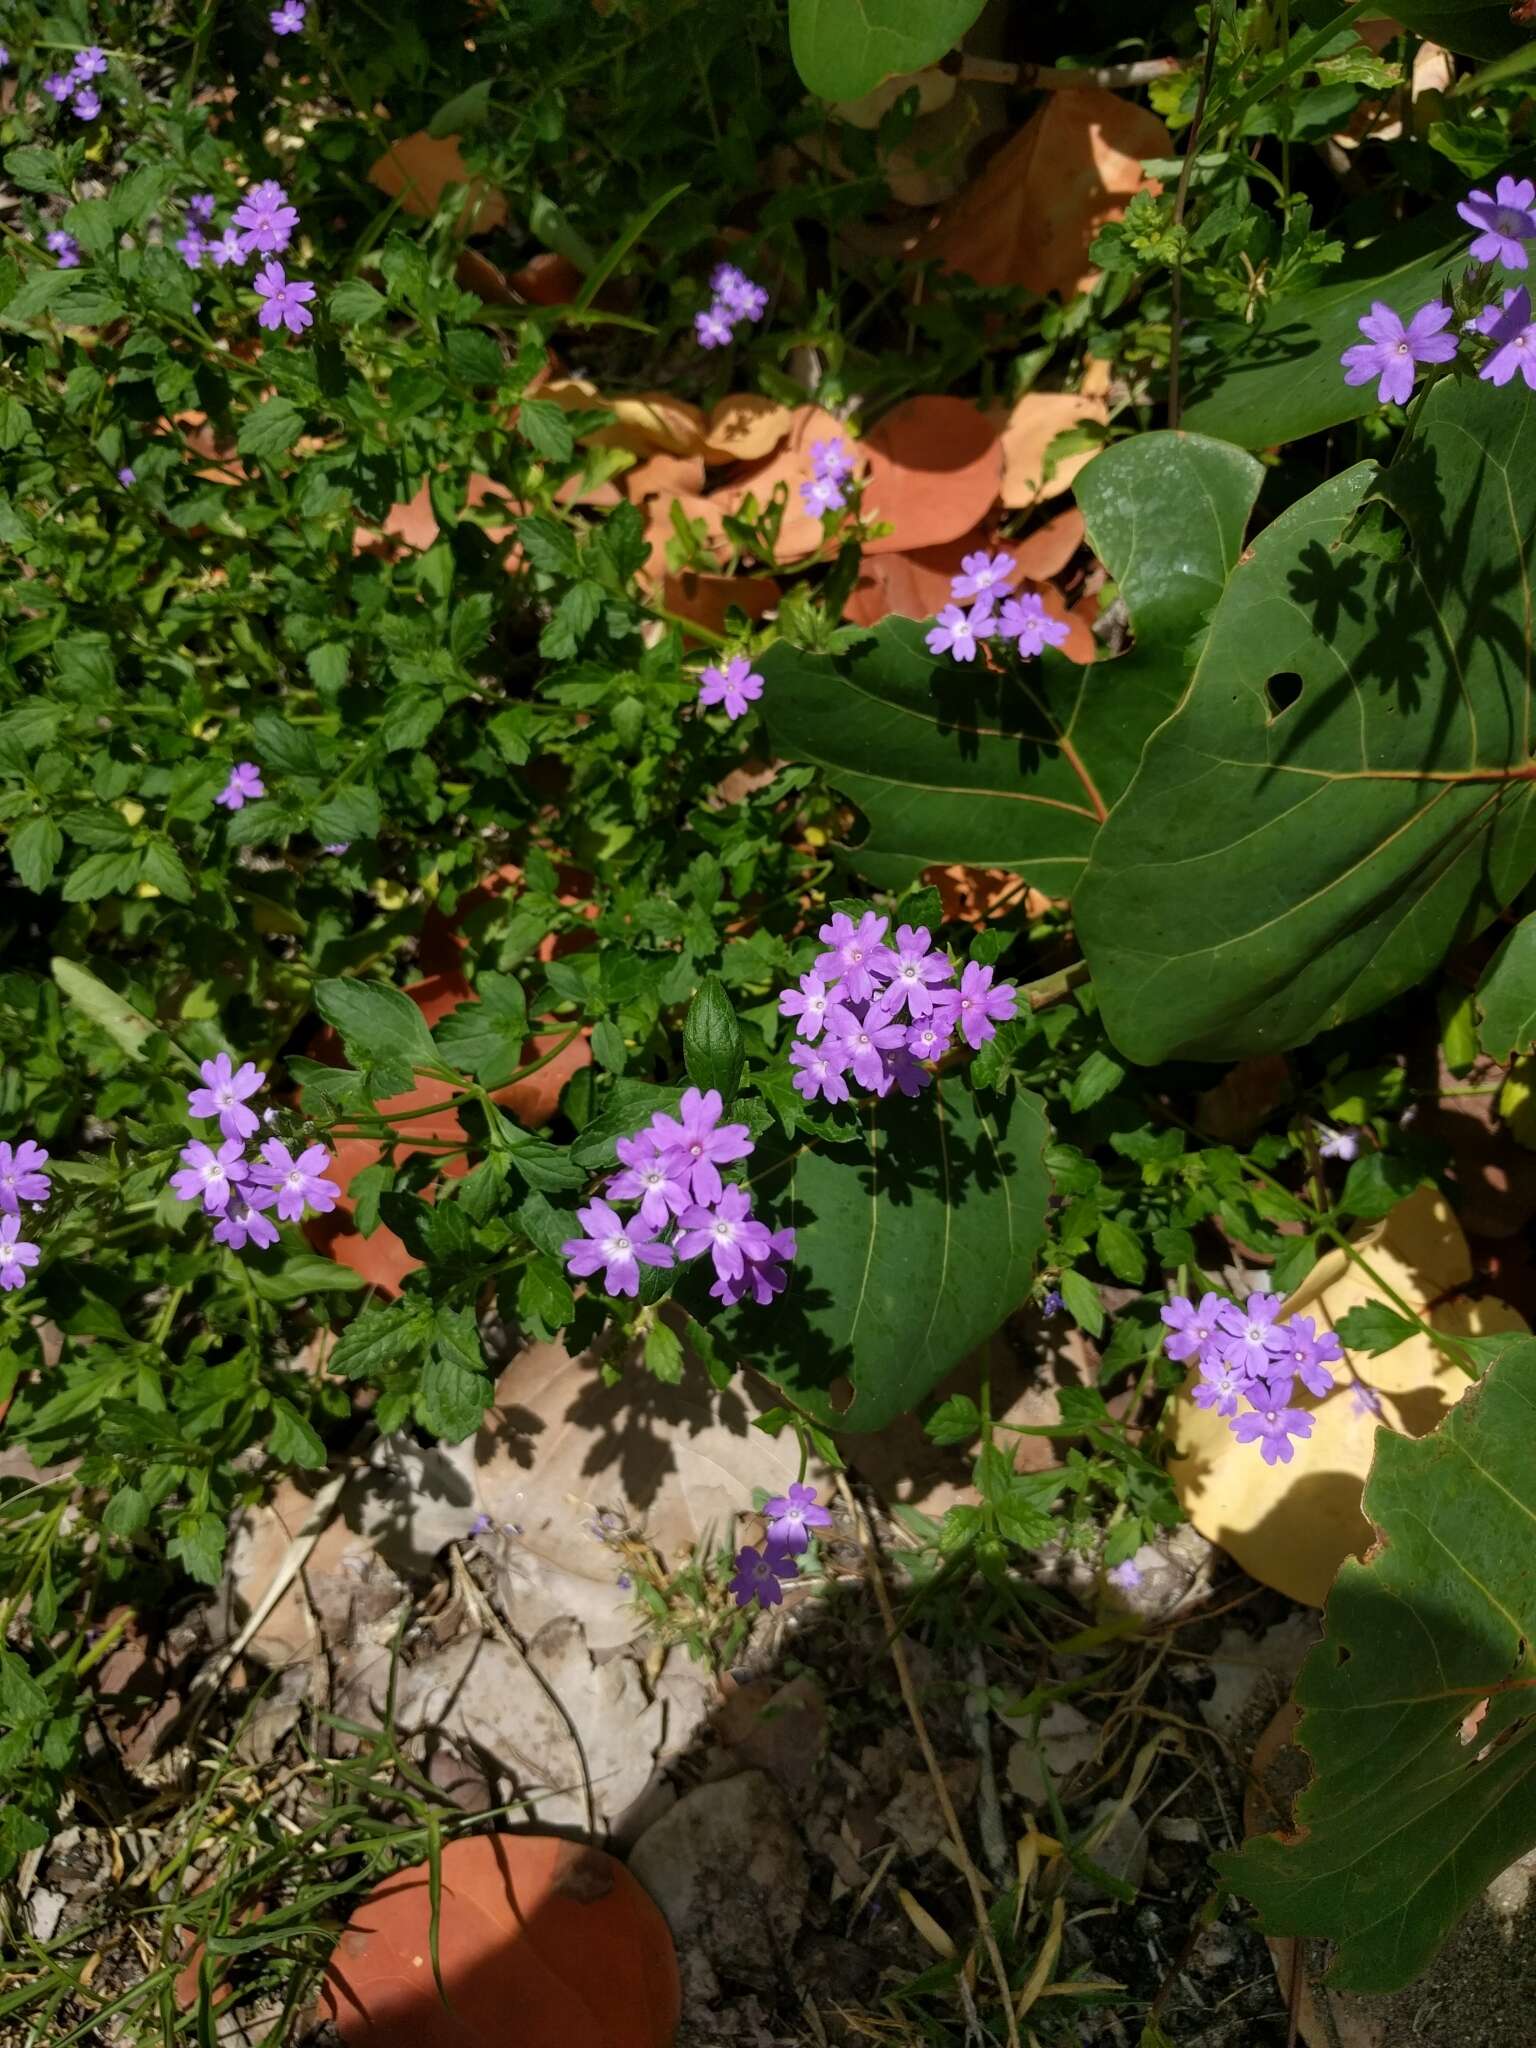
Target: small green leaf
1506,996
197,1544
955,1421
271,429
1081,1300
485,1037
1373,1328
1120,1250
664,1353
300,1273
356,301
844,48
292,1441
381,1337
378,1025
712,1041
1097,1077
35,848
544,426
123,1024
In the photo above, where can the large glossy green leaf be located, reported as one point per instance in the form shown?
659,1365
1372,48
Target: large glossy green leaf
1417,1703
1506,996
959,763
912,1249
1271,871
1285,381
843,48
1473,28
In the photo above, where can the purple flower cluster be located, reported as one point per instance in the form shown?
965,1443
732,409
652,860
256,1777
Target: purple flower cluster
1023,620
238,1190
75,86
853,1001
734,687
262,225
736,299
65,247
671,1170
1393,350
21,1180
1243,1355
762,1575
831,476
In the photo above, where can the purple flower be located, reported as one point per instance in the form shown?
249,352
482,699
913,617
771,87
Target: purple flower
911,969
243,787
903,1072
1051,1302
821,495
1222,1384
5,56
229,247
832,458
619,1248
1273,1427
127,476
760,1575
930,1038
808,1004
241,1222
1194,1329
86,104
224,1094
1252,1336
736,292
208,1176
982,573
1392,351
727,1230
191,248
651,1178
820,1071
735,686
851,950
90,62
200,208
288,19
702,1141
286,300
296,1181
58,85
860,1041
1505,220
792,1516
338,846
1338,1144
1364,1400
712,328
65,247
16,1254
983,1007
958,633
1026,620
1308,1355
1514,332
1126,1576
761,1278
265,219
21,1178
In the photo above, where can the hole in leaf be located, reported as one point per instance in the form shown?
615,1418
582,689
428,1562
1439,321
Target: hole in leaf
1342,1655
1282,690
841,1393
1472,1722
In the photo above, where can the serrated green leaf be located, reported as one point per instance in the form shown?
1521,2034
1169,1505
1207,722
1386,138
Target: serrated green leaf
485,1036
271,429
1373,1328
356,301
712,1041
546,429
1506,996
298,1273
35,846
122,1023
292,1441
381,1337
1081,1301
378,1025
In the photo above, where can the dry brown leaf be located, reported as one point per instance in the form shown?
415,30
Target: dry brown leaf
418,170
645,421
790,465
1031,216
1028,431
935,468
1047,549
935,89
663,476
913,583
707,599
1292,1526
744,427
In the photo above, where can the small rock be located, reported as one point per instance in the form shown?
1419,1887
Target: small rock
778,1729
915,1817
1066,1739
1121,1853
726,1868
1255,1673
44,1910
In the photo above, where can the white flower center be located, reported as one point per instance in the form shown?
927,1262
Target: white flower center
1402,348
724,1231
294,1180
619,1246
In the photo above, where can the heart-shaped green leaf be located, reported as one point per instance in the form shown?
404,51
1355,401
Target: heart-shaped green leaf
911,1250
1343,790
843,48
950,762
1417,1703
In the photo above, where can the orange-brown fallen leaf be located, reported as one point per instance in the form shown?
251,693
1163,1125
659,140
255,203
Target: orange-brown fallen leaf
1029,430
1031,216
935,468
790,465
912,585
1047,550
707,599
418,170
744,427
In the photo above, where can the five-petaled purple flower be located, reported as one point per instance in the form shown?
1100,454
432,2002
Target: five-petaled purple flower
982,1007
735,686
1026,621
21,1176
619,1249
1505,222
1247,1357
287,299
981,574
911,970
1307,1355
241,1223
807,1005
727,1230
1273,1427
200,208
229,247
58,85
266,218
653,1178
288,19
760,1576
823,494
192,247
243,787
225,1093
296,1181
852,950
712,327
86,104
960,633
701,1143
1194,1327
91,62
817,1072
211,1177
762,1278
127,476
1393,352
860,1041
1252,1337
1513,332
792,1516
65,247
17,1254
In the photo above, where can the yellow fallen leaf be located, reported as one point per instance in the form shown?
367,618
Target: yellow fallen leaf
744,427
645,421
1292,1526
1028,431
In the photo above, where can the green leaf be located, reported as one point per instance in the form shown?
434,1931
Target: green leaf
1097,1077
455,1390
549,545
486,1038
844,48
664,1353
1119,1248
123,1024
1506,995
197,1544
467,109
1472,28
101,874
299,1273
475,357
950,765
712,1043
378,1025
22,1699
381,1337
913,1245
954,1421
1279,866
292,1441
271,429
546,429
356,301
1081,1300
36,170
1373,1328
1285,380
1410,1813
35,848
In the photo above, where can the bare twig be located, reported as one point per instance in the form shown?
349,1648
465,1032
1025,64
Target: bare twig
1053,78
978,1720
968,1870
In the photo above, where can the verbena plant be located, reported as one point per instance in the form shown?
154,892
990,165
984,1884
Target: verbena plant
263,762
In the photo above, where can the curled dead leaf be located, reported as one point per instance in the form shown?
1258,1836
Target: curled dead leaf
744,427
420,168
